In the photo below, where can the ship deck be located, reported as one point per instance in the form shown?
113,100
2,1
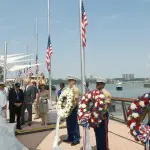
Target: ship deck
119,138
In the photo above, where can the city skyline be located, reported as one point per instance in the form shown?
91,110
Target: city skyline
118,35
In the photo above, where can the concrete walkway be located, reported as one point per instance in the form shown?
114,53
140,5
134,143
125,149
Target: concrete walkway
119,139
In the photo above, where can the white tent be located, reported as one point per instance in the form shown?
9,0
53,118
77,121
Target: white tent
12,55
14,59
10,59
19,67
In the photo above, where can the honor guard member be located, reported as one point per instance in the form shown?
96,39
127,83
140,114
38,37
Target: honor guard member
101,132
3,100
72,121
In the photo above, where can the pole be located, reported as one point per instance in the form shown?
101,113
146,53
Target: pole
37,46
50,78
28,61
5,62
86,135
81,52
84,63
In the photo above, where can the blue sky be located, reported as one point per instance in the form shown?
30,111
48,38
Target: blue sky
118,35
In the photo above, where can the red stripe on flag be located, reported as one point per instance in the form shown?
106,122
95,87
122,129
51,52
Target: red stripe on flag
84,24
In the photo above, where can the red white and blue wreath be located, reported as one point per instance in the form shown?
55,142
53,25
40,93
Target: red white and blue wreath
91,110
139,131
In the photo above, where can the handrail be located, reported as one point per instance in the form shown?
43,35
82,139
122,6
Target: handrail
124,108
121,99
123,104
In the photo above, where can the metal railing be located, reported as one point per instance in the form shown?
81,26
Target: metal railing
118,109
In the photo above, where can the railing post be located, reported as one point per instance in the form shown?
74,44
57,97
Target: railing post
148,115
124,111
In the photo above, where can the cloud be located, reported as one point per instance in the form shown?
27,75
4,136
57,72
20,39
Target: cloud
112,17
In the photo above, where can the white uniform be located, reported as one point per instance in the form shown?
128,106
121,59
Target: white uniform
3,102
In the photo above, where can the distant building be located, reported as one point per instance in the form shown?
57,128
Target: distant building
128,76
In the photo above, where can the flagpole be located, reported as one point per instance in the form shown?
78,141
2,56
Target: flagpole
37,58
81,51
28,61
86,134
50,78
5,62
84,63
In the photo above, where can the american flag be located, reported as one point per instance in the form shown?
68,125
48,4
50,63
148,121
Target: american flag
24,73
84,24
48,53
36,67
30,72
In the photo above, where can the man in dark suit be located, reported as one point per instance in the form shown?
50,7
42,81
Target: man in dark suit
16,98
29,96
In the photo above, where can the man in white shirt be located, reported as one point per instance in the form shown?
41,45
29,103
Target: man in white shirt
3,100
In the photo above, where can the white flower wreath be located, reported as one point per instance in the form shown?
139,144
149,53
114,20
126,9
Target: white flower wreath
65,102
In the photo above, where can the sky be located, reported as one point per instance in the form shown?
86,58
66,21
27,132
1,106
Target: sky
118,35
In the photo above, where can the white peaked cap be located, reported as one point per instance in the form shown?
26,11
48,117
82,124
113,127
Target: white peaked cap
71,78
100,80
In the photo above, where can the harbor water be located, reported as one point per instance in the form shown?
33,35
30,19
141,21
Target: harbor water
130,90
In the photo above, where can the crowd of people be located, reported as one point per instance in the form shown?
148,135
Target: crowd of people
35,93
23,98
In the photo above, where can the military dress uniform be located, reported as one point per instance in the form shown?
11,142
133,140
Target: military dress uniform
101,132
72,121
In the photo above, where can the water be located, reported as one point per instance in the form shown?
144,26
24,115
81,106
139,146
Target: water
131,90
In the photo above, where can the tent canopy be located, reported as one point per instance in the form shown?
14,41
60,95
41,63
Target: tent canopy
19,67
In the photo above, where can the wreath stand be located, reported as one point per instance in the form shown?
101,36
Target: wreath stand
56,138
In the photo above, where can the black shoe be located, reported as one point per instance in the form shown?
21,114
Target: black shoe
29,124
67,140
22,123
75,143
19,128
